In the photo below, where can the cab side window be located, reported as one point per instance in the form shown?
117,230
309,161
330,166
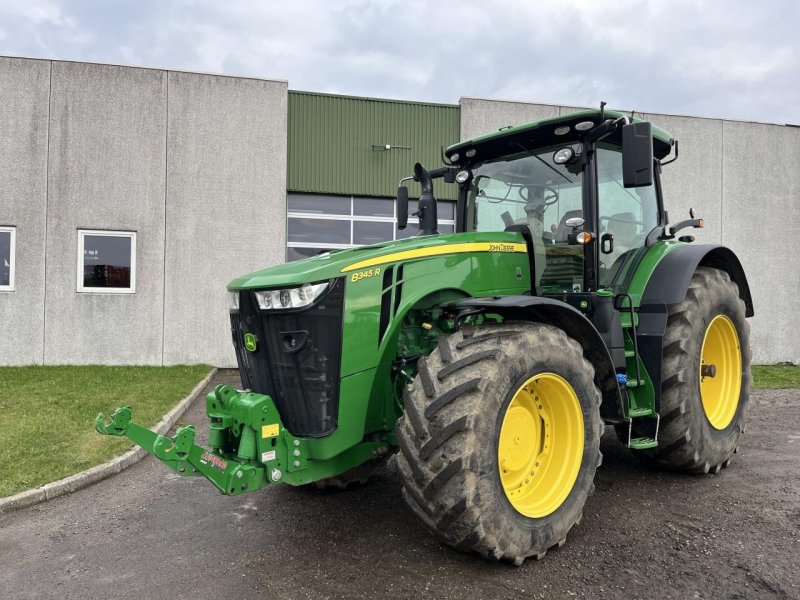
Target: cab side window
626,216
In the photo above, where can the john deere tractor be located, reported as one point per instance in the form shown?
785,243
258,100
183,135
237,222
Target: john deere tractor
491,358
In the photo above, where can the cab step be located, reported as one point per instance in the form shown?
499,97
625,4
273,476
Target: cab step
640,412
642,443
633,383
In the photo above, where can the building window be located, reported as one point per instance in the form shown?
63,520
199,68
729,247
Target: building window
7,258
318,223
106,261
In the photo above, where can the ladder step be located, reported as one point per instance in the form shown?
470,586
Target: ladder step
640,412
632,383
642,443
629,353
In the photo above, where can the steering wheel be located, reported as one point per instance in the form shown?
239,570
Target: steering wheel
548,200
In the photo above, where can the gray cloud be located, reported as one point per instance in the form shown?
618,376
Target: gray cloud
734,59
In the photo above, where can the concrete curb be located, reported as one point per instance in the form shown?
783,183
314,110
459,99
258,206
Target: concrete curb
86,478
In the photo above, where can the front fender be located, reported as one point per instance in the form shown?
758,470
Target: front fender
574,323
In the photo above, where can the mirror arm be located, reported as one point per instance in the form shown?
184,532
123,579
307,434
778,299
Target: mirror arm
606,128
671,230
673,159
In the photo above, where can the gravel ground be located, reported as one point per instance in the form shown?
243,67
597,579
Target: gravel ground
148,533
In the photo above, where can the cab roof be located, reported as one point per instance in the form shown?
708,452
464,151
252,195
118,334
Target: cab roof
543,133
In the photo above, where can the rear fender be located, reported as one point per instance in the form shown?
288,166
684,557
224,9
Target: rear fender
574,323
670,279
668,285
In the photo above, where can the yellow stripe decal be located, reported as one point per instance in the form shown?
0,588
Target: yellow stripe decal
437,251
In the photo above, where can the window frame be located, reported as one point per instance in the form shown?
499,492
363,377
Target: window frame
351,218
12,253
82,233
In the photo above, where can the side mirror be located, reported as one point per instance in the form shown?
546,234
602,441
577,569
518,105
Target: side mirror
402,207
637,155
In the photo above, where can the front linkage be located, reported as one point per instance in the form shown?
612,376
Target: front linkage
250,447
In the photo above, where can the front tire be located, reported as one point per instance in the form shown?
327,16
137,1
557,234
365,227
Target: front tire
499,442
706,377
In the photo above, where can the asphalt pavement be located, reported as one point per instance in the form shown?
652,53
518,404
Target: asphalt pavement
147,533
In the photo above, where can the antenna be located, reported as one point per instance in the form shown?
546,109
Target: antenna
602,110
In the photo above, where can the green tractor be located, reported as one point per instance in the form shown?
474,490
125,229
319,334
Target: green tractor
493,357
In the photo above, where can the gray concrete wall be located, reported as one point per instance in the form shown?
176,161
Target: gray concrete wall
742,178
106,171
761,223
194,164
24,93
484,116
226,204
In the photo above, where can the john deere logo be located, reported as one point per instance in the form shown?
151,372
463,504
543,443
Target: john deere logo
250,342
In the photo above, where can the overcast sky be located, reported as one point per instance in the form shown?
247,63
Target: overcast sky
737,59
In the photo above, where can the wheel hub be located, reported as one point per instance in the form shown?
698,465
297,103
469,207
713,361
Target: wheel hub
540,446
720,372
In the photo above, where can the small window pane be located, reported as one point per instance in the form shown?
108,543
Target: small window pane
411,230
318,204
446,211
5,258
106,261
373,207
319,231
298,253
371,232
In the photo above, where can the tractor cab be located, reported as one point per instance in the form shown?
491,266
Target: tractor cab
583,189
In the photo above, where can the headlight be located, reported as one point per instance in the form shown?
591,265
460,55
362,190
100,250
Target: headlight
233,300
290,298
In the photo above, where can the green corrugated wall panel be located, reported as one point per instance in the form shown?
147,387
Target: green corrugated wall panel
331,138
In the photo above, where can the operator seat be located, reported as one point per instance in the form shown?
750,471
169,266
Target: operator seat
563,231
623,227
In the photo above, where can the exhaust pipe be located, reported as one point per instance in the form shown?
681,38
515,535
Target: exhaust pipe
428,219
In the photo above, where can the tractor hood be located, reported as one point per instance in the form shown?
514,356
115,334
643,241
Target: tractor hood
341,262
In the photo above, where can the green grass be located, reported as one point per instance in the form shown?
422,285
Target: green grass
47,415
776,376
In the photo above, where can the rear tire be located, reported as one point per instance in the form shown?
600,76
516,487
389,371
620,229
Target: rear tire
703,418
469,436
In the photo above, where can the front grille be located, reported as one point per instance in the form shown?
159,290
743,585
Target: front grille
297,359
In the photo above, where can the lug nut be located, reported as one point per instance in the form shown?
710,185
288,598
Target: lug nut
297,452
276,474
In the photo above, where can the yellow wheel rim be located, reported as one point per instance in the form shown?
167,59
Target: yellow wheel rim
541,445
720,372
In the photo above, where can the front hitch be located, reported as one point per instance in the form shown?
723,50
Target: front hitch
250,447
231,473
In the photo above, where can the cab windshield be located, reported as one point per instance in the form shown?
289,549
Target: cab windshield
531,189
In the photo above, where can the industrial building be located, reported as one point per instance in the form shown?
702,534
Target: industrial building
130,196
